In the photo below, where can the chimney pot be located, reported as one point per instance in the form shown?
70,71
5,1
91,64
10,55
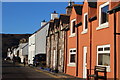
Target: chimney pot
43,23
54,15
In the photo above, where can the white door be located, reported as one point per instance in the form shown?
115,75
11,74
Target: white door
84,62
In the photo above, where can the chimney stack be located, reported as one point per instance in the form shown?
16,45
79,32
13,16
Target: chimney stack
43,23
54,15
69,7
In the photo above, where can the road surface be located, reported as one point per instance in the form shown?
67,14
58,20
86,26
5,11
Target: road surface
17,72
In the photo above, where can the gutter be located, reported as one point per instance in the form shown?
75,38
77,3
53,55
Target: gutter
116,9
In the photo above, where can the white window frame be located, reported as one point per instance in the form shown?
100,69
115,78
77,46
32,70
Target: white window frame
104,25
101,52
72,64
85,30
71,28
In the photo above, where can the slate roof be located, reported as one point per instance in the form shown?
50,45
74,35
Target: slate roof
64,18
51,25
56,22
92,3
78,8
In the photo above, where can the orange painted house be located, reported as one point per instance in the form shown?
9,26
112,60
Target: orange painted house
93,39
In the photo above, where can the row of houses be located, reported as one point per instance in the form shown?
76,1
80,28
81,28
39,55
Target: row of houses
88,35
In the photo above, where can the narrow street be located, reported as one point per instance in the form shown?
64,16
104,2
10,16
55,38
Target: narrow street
16,72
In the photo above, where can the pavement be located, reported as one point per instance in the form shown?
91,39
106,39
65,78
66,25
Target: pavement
17,71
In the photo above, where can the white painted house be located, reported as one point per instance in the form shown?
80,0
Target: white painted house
31,48
21,54
37,41
40,39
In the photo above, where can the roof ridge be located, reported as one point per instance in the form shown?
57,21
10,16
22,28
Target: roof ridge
77,4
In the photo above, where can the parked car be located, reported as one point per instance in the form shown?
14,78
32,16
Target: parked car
39,59
36,61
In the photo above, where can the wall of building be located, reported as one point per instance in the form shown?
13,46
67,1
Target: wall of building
99,37
31,49
40,39
25,50
71,43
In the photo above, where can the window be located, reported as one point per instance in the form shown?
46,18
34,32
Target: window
72,57
86,21
103,53
73,28
103,16
85,26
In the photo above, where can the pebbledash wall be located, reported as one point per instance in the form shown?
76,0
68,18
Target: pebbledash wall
92,42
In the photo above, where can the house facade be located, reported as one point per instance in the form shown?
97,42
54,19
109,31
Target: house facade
91,39
22,54
31,48
55,43
25,52
40,40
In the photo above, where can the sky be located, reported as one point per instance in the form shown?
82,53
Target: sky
25,17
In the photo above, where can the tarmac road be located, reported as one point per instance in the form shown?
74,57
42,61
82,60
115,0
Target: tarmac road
17,72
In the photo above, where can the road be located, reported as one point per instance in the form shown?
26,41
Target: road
17,72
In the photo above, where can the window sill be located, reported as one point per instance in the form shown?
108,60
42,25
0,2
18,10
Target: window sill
71,65
107,67
84,32
72,35
102,26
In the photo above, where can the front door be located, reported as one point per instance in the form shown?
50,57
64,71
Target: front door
84,62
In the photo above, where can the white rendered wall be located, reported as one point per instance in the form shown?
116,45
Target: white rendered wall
40,45
31,49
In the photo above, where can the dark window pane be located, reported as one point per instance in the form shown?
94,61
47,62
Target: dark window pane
86,22
73,31
72,58
100,49
104,59
107,48
74,50
104,15
70,50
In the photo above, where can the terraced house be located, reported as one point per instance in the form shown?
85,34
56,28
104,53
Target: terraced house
55,43
93,39
56,40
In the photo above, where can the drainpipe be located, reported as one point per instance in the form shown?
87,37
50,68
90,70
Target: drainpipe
66,51
110,12
77,52
90,20
114,45
90,45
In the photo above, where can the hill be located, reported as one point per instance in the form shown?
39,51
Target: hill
9,40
